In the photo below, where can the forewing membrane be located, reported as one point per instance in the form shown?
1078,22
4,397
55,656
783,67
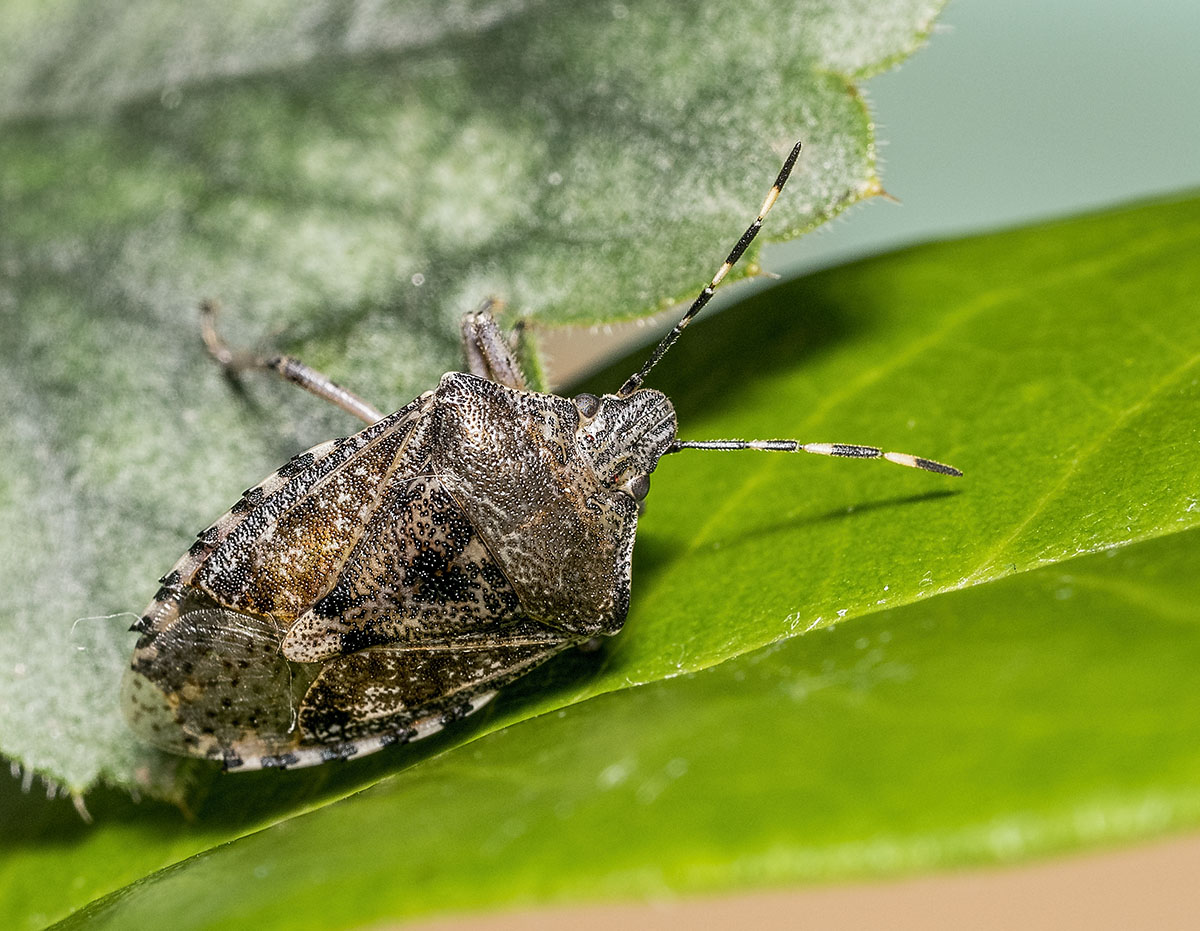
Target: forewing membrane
215,684
412,692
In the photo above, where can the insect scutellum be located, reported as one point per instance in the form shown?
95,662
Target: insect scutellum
632,389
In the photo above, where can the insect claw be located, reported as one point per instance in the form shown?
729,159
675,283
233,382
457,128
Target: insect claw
213,341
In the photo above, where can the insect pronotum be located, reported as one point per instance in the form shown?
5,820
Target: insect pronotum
381,585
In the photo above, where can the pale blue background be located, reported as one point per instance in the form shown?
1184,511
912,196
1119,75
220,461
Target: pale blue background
1019,110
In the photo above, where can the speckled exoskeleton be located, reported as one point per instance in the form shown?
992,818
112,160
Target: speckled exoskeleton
381,585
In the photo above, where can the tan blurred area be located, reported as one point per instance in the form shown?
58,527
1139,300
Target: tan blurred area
1148,887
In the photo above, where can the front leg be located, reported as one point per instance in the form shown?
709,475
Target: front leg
489,354
235,361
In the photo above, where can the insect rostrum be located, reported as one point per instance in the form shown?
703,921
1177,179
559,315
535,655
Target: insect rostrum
381,585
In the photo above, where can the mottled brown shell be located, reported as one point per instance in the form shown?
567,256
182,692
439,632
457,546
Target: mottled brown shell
379,585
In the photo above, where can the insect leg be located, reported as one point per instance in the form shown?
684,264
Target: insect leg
842,450
489,354
235,361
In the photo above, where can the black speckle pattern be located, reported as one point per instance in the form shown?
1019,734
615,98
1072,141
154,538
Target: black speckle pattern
382,586
419,572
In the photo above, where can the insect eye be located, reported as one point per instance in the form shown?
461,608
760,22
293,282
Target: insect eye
640,487
588,404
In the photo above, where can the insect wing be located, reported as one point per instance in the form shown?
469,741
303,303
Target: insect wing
383,695
214,684
404,619
208,676
217,685
288,550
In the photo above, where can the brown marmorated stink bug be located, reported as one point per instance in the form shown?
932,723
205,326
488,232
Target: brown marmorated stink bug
379,586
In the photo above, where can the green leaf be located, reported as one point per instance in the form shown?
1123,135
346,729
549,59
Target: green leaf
996,695
1046,710
348,181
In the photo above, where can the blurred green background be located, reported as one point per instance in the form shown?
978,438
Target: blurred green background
1024,110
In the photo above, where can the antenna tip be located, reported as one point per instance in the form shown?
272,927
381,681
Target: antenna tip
916,462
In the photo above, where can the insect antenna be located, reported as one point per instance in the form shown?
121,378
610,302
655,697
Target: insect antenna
635,381
842,450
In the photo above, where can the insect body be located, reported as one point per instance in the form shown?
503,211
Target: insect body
381,585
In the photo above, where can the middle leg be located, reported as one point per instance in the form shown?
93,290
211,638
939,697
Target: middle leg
489,353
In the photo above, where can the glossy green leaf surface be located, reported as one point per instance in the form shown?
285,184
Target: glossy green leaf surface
1015,673
348,180
983,725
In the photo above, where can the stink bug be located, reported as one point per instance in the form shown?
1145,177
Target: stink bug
381,585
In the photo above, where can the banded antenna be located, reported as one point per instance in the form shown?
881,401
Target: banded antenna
635,380
842,450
